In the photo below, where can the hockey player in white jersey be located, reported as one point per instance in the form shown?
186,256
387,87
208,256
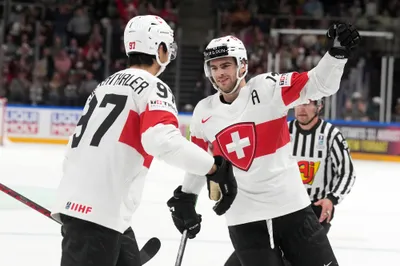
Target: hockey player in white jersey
130,118
246,123
324,161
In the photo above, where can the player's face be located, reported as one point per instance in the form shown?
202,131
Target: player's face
305,112
223,71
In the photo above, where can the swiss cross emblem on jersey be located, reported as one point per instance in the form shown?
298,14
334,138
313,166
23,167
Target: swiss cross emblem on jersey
237,144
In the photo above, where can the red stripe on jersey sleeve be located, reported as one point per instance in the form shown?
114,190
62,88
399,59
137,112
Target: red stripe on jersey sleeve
151,118
292,92
135,125
131,136
200,142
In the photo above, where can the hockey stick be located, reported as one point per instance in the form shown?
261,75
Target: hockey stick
148,251
27,201
181,250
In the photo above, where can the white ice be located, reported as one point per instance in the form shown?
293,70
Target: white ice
365,231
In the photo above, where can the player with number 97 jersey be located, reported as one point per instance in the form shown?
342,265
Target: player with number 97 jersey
129,118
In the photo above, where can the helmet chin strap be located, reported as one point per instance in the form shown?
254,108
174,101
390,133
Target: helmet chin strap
163,66
309,121
239,79
234,88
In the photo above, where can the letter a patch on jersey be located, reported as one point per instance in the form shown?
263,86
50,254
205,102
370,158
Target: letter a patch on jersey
237,144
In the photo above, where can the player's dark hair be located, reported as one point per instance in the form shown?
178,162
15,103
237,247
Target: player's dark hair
141,59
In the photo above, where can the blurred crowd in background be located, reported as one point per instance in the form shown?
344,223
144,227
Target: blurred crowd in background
359,95
71,58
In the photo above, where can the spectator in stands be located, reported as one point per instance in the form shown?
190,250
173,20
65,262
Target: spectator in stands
19,89
72,39
71,96
53,90
169,14
313,8
396,114
61,20
79,26
57,46
360,111
25,57
373,109
62,62
10,47
348,110
87,86
241,16
36,90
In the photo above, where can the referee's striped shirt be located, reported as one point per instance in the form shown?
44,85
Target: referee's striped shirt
324,160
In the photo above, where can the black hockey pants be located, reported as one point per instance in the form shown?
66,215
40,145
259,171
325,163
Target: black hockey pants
298,235
85,243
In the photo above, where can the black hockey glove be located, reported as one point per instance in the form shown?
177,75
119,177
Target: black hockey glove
226,181
182,207
345,38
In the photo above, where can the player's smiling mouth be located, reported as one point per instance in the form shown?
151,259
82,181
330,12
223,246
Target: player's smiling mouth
223,80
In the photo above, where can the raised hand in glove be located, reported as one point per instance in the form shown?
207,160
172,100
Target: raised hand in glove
182,207
345,38
222,186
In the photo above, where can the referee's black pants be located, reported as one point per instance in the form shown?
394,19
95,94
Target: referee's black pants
85,244
298,235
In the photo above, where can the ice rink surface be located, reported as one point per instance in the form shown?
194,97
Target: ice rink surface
365,230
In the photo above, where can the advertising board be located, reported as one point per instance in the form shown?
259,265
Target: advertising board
367,140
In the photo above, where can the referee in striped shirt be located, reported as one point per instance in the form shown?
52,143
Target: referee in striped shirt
324,160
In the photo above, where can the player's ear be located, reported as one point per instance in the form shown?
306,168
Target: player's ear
243,67
321,106
163,52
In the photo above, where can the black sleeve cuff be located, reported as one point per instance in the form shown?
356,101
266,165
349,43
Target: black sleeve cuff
339,52
333,199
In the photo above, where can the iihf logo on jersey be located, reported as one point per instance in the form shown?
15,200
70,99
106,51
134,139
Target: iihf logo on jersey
320,144
78,207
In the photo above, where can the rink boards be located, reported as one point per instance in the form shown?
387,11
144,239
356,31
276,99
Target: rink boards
53,125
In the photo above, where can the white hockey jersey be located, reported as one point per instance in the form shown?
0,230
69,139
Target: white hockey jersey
252,133
129,118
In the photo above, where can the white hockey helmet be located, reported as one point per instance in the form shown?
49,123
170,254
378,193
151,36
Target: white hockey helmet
228,46
144,34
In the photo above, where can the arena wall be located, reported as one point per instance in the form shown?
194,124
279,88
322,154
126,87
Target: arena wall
53,125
